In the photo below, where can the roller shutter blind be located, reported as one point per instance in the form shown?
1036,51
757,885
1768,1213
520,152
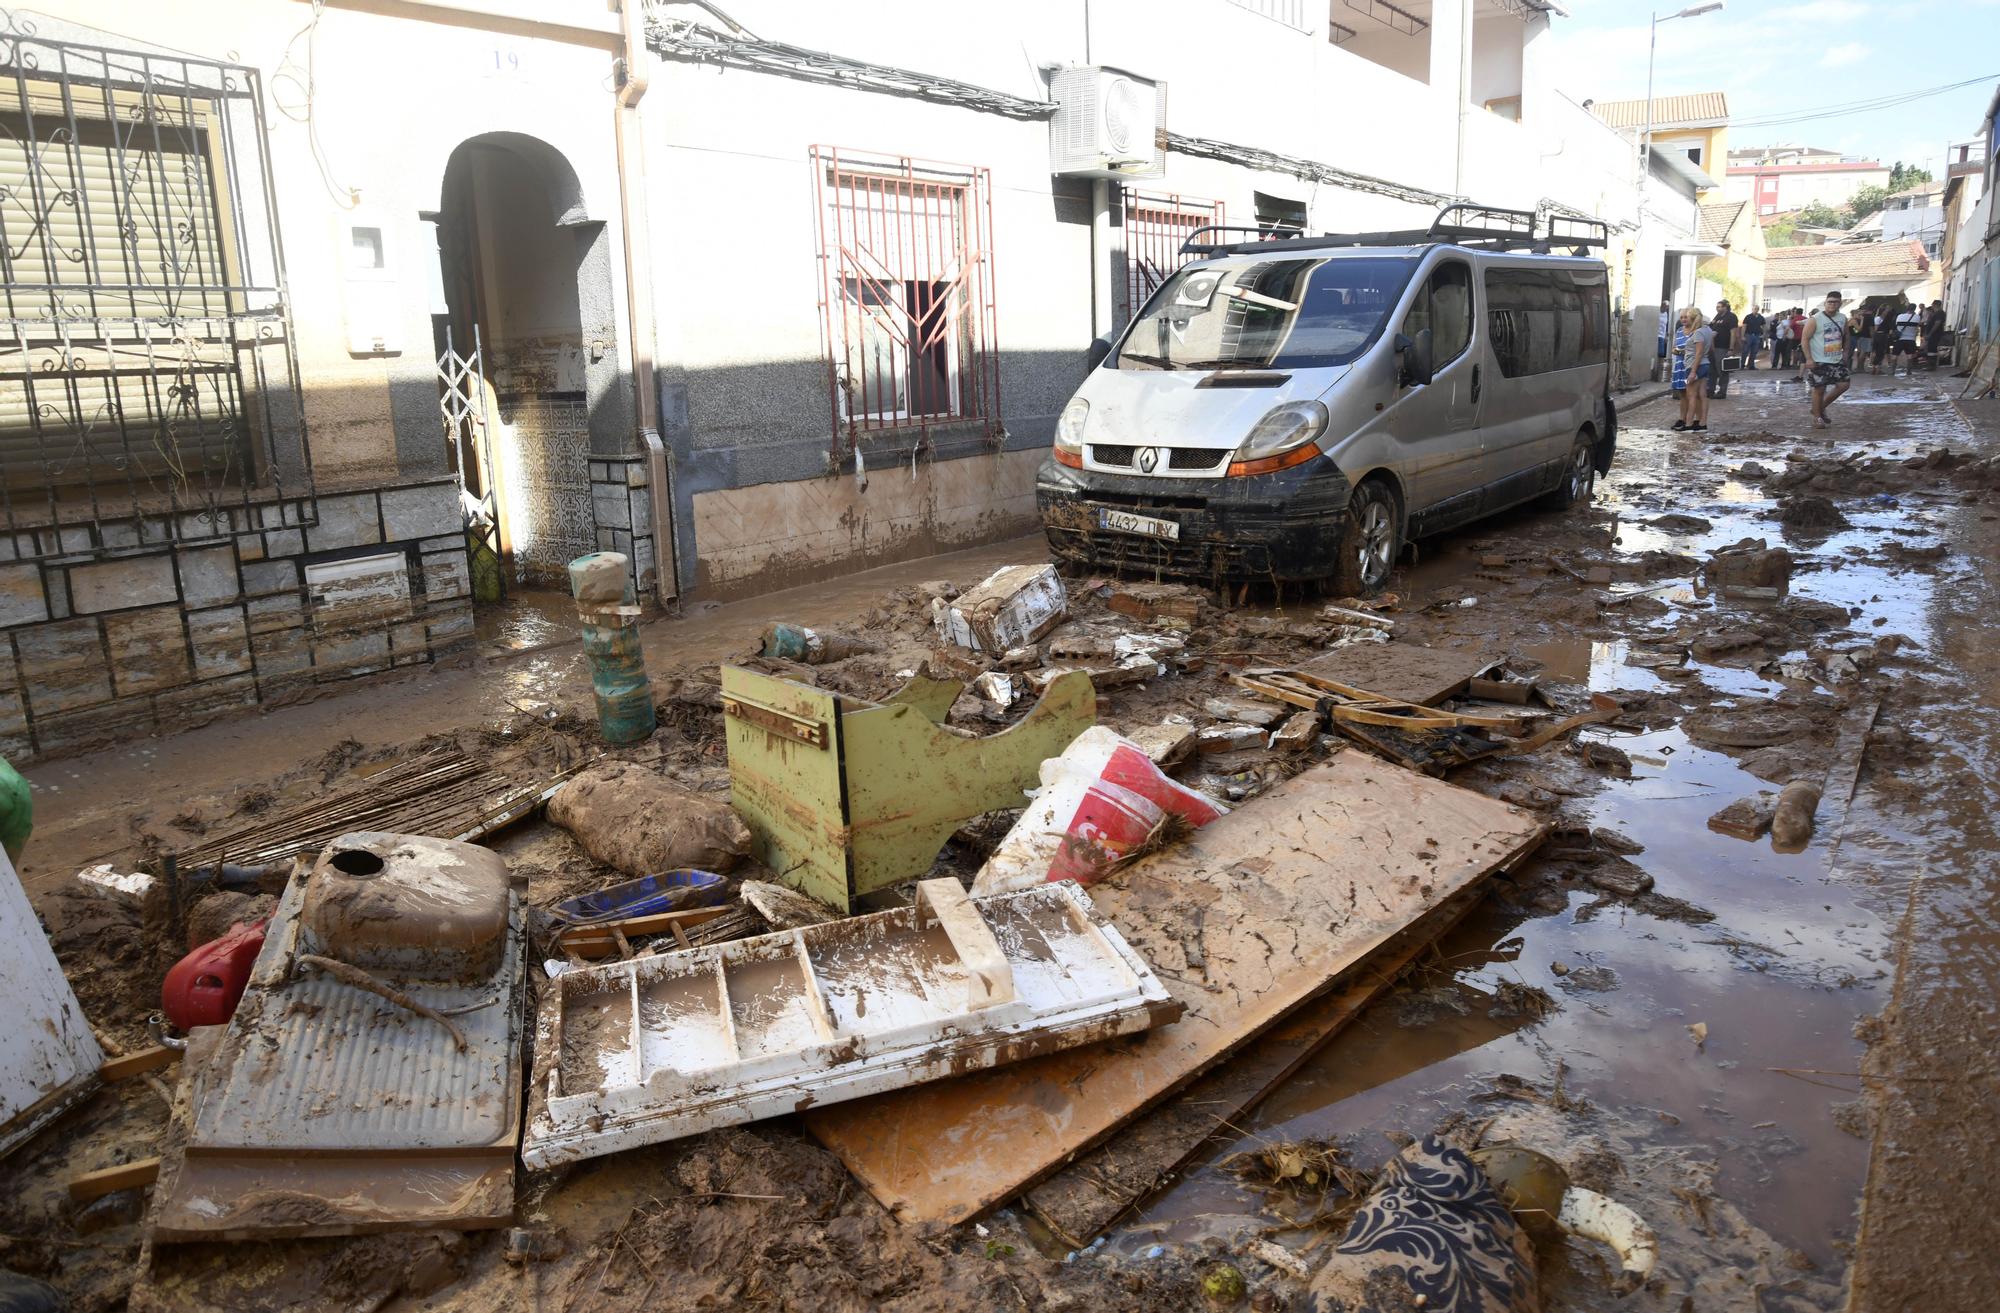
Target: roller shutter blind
111,243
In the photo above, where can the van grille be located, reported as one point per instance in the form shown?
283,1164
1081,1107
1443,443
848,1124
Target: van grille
1178,458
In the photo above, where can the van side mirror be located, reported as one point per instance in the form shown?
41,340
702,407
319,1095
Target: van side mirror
1099,349
1416,357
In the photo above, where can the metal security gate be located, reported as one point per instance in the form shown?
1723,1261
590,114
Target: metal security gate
907,312
1155,227
147,367
468,436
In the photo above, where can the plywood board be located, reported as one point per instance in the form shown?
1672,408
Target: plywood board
1089,1194
1254,915
1403,671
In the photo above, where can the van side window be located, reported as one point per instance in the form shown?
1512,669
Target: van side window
1444,307
1546,320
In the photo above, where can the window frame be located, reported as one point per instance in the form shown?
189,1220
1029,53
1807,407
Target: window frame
886,227
1423,296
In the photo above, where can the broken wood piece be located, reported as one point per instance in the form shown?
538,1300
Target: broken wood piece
139,1063
1603,707
602,939
1354,832
109,1180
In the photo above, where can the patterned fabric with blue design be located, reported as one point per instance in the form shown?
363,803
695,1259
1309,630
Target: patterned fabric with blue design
1434,1227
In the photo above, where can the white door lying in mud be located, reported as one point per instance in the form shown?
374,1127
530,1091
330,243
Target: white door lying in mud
48,1055
646,1050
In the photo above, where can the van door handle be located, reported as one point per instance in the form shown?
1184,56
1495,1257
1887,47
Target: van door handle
1475,383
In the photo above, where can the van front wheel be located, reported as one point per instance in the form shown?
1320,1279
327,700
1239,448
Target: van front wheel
1369,541
1579,476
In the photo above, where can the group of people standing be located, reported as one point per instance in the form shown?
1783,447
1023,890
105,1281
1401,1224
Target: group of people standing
1825,347
1893,331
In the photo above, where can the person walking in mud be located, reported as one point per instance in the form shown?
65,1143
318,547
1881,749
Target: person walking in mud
1826,344
1753,337
1694,342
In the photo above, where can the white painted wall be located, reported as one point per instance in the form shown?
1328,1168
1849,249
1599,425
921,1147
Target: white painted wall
391,100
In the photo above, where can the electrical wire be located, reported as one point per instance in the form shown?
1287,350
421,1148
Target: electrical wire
680,39
304,78
1859,106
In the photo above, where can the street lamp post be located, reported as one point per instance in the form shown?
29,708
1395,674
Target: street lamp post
1652,45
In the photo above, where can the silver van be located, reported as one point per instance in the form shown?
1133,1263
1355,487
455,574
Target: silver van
1298,409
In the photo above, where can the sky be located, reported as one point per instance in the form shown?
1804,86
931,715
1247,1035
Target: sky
1774,57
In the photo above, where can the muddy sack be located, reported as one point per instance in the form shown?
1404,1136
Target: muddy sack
1432,1234
638,821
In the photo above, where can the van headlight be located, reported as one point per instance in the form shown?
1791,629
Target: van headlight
1069,428
1286,428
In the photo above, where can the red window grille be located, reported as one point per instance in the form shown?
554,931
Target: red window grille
1155,227
906,298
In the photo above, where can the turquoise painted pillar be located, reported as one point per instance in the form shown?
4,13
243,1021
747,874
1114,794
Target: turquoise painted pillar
602,585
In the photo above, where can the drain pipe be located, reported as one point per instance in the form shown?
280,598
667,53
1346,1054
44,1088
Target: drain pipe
1101,311
632,83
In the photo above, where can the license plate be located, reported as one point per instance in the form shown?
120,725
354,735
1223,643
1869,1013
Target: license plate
1151,527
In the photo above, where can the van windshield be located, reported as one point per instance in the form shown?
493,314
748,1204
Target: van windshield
1301,312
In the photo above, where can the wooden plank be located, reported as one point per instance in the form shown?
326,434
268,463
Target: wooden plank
110,1180
1254,915
1086,1197
1403,671
603,939
138,1064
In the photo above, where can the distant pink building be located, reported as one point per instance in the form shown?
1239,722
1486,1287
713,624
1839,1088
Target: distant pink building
1784,178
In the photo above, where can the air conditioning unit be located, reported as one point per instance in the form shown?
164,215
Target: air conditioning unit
1108,124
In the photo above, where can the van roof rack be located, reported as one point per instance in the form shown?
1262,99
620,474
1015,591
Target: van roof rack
1461,223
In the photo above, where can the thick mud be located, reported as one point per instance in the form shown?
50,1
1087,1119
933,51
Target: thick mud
1683,1017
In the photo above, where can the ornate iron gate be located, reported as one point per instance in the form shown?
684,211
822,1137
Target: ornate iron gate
148,378
1155,227
468,437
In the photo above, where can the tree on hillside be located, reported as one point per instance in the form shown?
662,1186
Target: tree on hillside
1903,175
1781,233
1867,201
1821,215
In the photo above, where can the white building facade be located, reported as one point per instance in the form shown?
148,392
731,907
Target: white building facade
758,297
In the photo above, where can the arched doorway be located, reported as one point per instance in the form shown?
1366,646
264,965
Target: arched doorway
527,278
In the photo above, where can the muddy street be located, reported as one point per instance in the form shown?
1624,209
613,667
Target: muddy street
1777,1054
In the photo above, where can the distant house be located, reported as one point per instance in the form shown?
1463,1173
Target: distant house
1915,214
1803,275
1694,126
1732,226
1775,179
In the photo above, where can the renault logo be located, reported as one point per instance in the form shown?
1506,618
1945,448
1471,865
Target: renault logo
1149,459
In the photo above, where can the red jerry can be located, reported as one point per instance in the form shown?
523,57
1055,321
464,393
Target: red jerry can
203,988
